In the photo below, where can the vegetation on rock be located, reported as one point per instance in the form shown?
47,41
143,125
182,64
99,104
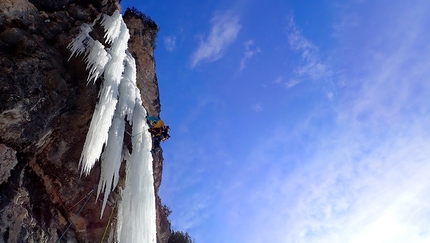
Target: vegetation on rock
180,237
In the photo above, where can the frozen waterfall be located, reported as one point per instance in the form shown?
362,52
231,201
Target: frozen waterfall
119,102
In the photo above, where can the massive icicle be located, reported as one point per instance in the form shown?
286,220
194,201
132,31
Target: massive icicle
112,154
94,52
137,209
119,101
111,64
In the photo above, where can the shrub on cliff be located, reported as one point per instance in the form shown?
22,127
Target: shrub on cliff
149,24
180,237
146,19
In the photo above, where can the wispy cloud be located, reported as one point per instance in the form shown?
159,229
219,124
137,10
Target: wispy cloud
366,180
311,65
345,22
257,107
248,53
277,80
357,184
224,31
170,43
292,83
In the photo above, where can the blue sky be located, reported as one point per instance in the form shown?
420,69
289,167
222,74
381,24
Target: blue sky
295,121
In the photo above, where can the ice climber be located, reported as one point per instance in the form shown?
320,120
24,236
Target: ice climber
159,132
155,122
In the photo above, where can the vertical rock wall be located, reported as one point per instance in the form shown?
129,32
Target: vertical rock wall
45,110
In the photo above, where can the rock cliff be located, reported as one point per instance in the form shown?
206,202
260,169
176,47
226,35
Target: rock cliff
45,110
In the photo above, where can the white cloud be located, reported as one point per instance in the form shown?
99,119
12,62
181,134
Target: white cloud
248,53
345,22
170,43
257,107
352,186
363,179
311,65
292,83
278,80
366,179
223,32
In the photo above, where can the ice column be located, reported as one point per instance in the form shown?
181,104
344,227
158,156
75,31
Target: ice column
119,102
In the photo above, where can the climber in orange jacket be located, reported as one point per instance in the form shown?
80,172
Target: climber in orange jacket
159,132
158,129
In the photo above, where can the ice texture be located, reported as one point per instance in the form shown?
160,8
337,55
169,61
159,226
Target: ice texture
137,208
119,102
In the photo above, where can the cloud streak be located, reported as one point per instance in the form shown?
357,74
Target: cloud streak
224,31
358,184
249,53
361,178
170,43
366,179
311,65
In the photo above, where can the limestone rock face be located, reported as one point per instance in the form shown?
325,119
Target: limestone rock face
45,111
8,162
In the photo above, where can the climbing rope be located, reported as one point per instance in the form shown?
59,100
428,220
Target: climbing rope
132,136
110,217
71,223
74,205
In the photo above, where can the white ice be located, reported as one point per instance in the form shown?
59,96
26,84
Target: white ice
96,60
111,158
137,208
108,97
119,102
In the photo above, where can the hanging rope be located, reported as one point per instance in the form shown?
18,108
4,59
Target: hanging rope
110,217
71,223
74,205
132,136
